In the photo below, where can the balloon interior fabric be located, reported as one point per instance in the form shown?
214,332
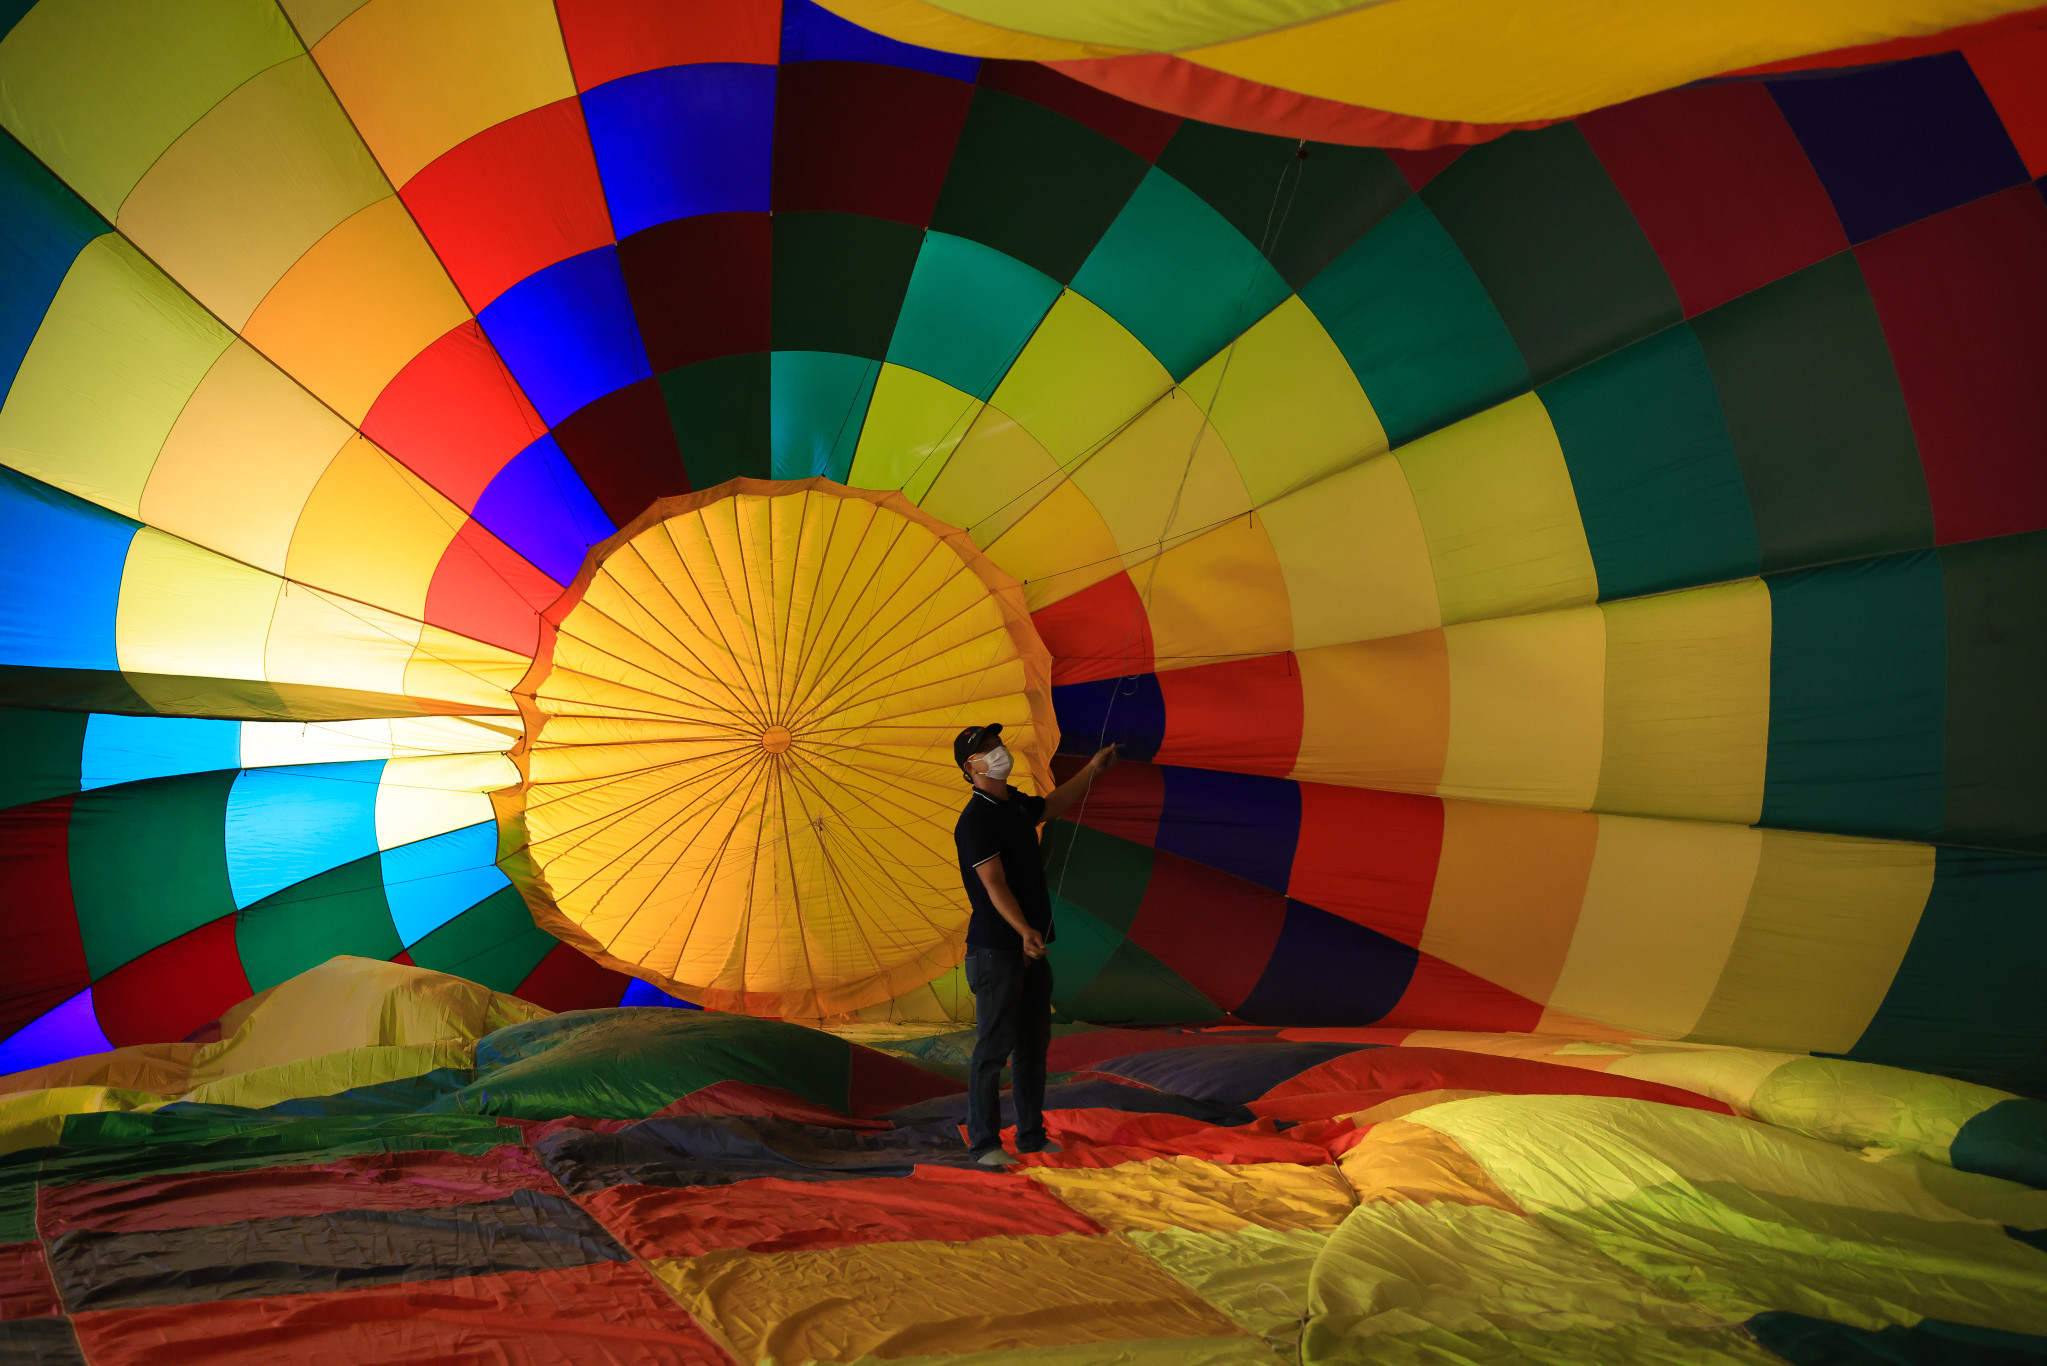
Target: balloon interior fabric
501,503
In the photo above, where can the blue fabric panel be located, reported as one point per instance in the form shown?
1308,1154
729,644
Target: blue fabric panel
1129,712
60,580
40,234
539,506
69,1031
682,141
567,333
813,34
1239,822
1806,1341
1328,971
125,749
429,882
286,824
638,993
1235,1074
817,403
1900,142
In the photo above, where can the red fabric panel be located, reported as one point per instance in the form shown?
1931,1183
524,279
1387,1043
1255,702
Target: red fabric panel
454,415
487,591
39,937
772,1215
2013,73
1108,1138
26,1291
174,988
881,1083
414,1180
607,39
1345,1034
1368,856
1903,49
1720,185
1442,995
853,137
1215,930
1198,92
701,287
1371,1075
1124,802
1420,167
1078,1052
624,447
773,1102
568,979
609,1312
1143,130
515,198
1244,716
531,1131
1963,299
1100,632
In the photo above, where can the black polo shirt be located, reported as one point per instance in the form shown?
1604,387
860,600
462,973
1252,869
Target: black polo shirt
1007,830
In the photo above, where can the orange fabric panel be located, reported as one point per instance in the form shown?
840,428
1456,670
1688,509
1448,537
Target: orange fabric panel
1376,713
1398,1160
1508,892
1109,1138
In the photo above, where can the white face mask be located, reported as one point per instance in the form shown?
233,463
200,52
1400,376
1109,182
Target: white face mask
999,763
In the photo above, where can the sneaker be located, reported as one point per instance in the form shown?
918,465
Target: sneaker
1046,1147
996,1157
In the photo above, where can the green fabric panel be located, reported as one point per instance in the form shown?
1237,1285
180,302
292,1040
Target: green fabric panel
1805,1341
1103,875
1997,677
494,943
1303,210
1858,689
86,690
719,409
1174,272
968,313
340,911
1083,947
1416,326
1135,988
1556,245
42,232
148,862
39,754
1819,424
839,281
1658,487
119,1145
17,1212
1238,1273
1033,184
2008,1140
1968,1000
818,401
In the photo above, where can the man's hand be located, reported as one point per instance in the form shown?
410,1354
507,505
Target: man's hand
1105,757
1033,944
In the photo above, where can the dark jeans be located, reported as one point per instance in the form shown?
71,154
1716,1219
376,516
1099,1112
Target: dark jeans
1013,1016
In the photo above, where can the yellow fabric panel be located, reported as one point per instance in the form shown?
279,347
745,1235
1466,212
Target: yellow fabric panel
373,530
35,1119
894,1300
1859,1104
452,668
268,743
1376,713
994,476
1827,924
364,300
1058,548
1662,906
1502,522
99,88
159,1068
1688,703
185,610
1508,888
1255,1275
242,195
1487,61
1219,596
119,352
427,795
315,19
1237,1351
330,1074
420,76
1525,708
1356,562
930,25
1408,1104
1080,379
1288,404
354,1003
1163,477
328,641
242,459
912,425
1191,1193
1401,1161
1729,1074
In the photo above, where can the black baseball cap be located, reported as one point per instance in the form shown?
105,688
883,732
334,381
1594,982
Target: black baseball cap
972,741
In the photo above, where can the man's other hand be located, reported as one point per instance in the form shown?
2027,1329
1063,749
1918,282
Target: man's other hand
1105,757
1033,944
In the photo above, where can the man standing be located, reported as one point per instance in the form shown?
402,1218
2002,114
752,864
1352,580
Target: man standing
1012,922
